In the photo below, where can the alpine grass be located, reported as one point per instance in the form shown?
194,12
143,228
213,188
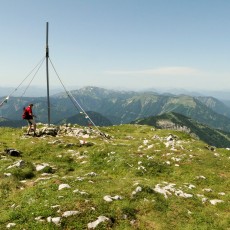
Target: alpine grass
136,177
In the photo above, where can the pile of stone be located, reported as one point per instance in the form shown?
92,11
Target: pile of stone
69,130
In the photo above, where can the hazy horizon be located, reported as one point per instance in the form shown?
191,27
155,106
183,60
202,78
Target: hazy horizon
41,91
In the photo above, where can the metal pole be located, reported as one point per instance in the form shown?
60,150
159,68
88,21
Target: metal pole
47,72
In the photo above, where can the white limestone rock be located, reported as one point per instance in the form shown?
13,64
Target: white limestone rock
63,186
70,213
10,225
109,198
55,220
95,223
216,201
40,167
18,164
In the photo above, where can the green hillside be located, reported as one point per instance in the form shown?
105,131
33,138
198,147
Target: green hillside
132,177
87,119
5,122
177,121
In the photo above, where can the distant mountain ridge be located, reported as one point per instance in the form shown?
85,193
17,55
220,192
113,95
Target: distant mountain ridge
216,105
123,107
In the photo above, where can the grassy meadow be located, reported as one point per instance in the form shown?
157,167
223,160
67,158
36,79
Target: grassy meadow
137,177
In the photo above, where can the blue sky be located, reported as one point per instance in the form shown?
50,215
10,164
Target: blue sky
127,44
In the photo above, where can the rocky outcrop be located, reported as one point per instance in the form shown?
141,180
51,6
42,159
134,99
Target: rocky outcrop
69,130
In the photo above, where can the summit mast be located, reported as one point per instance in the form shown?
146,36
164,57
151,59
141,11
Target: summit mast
47,72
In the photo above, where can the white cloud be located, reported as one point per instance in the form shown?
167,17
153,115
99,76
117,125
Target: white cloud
169,71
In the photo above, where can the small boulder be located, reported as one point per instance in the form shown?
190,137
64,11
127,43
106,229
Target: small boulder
62,186
70,213
100,219
13,152
10,225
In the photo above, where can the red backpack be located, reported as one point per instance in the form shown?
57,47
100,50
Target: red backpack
25,114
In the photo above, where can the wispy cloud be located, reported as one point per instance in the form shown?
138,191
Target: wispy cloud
169,71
